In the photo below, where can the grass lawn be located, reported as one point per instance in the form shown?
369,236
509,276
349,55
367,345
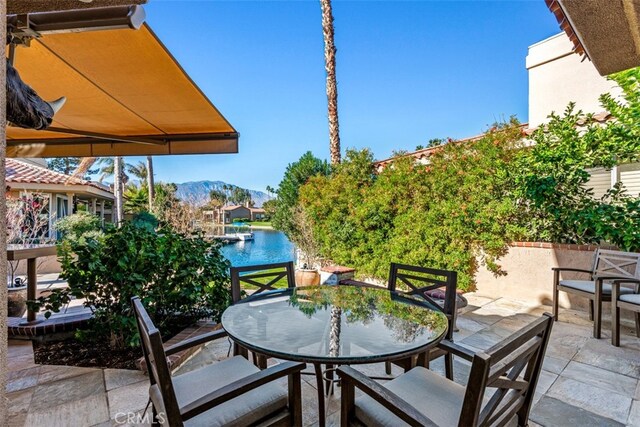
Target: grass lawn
282,283
257,223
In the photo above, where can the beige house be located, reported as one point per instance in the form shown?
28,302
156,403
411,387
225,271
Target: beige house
227,214
257,214
62,194
558,76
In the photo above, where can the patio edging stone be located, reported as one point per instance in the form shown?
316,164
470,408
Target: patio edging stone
175,361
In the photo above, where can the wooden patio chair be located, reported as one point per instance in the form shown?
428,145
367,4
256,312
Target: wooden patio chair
608,265
424,282
232,392
624,301
263,277
501,386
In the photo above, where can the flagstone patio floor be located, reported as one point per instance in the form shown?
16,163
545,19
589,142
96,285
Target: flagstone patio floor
584,382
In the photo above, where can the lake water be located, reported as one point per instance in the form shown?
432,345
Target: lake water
267,246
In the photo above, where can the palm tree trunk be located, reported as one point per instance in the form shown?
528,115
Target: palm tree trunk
117,189
332,86
150,182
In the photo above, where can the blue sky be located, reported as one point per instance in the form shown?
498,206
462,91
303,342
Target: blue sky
408,71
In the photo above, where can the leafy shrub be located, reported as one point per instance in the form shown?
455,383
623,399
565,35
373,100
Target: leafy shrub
552,179
73,226
296,175
179,279
445,215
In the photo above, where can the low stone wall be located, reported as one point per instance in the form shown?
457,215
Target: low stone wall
528,272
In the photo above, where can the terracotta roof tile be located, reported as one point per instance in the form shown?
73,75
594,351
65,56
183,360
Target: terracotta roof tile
26,173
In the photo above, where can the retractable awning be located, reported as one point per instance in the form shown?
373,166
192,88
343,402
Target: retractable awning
126,96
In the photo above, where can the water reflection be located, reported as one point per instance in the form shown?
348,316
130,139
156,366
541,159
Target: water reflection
403,316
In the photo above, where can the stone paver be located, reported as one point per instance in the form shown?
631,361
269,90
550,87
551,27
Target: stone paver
634,415
554,364
602,378
114,378
594,399
555,413
128,399
584,382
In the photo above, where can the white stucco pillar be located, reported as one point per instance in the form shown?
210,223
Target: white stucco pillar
70,203
102,210
94,206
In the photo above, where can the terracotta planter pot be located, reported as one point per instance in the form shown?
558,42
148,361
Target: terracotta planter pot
17,301
307,277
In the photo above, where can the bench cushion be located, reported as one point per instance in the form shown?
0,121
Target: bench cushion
590,286
241,411
430,393
631,298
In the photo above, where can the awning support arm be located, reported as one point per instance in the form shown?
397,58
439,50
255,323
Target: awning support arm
134,139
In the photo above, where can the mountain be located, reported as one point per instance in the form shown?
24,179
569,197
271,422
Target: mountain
198,192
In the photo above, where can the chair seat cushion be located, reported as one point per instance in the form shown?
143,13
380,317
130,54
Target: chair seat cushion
590,286
431,394
631,298
240,411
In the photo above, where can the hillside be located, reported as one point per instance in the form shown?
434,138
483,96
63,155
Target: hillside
198,191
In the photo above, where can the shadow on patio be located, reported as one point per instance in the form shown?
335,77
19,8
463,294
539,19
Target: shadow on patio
584,381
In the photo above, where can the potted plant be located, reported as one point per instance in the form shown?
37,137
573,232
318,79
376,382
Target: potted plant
308,250
16,294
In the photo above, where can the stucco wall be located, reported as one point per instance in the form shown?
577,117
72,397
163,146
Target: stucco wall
558,76
529,277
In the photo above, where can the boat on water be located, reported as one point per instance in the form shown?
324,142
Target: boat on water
244,236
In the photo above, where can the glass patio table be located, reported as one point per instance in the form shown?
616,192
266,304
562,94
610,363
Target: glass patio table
334,325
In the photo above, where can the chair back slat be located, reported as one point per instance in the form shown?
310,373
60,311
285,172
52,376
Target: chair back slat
617,263
511,368
263,277
157,365
417,280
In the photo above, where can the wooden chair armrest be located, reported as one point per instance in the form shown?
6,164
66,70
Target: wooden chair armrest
616,278
385,397
617,282
240,387
456,350
191,342
579,270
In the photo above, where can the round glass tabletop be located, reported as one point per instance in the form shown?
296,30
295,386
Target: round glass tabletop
335,324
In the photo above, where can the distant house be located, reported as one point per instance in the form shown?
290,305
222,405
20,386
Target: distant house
227,214
257,214
60,194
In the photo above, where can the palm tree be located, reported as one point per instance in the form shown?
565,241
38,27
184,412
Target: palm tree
138,170
332,86
150,181
108,167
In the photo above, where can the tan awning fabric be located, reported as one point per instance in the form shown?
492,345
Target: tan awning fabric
121,83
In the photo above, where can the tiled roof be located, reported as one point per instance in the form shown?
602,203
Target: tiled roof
233,207
26,173
565,25
601,117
